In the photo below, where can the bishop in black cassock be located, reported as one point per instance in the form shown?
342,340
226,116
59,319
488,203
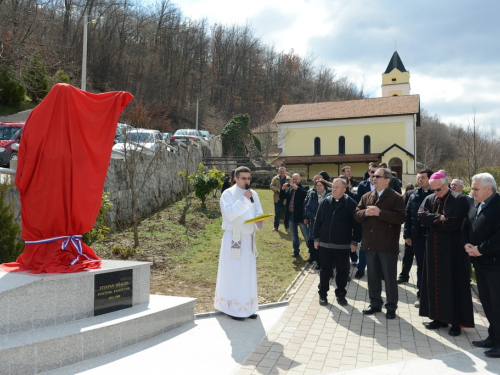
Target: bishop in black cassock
446,294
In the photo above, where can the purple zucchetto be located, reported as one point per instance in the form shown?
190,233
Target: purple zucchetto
437,176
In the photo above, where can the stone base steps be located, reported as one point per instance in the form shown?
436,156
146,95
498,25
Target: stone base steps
47,348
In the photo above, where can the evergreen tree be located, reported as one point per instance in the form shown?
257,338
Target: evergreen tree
11,92
234,133
36,80
10,246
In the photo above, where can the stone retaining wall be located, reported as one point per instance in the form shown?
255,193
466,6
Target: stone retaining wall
157,181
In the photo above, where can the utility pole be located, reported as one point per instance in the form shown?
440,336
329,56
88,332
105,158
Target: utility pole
84,58
197,111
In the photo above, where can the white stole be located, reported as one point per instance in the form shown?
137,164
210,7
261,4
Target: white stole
236,240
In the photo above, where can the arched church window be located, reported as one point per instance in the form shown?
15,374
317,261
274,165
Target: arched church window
341,144
367,145
317,146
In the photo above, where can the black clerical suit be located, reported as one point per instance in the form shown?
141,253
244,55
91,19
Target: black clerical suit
483,231
445,295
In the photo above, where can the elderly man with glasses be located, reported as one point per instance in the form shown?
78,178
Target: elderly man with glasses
445,296
382,211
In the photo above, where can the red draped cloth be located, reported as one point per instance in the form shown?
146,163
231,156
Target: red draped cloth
62,165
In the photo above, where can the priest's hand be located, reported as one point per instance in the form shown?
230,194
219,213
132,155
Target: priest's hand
316,245
248,194
472,250
408,241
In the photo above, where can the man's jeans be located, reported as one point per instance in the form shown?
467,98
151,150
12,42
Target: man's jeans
278,207
295,233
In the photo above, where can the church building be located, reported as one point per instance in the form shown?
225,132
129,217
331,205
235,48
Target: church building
327,136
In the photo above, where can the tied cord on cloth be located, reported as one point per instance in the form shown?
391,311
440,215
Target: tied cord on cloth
75,240
236,239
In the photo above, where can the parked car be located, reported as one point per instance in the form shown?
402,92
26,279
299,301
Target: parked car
206,134
166,136
10,133
121,129
184,134
136,139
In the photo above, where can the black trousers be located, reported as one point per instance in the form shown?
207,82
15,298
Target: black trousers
488,285
382,264
407,262
328,258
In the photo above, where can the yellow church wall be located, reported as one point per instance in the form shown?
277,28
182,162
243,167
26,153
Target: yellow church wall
395,93
401,77
300,141
397,153
333,170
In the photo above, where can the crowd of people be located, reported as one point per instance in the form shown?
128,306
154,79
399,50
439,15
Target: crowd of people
443,229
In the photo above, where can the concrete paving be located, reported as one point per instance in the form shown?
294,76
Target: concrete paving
314,339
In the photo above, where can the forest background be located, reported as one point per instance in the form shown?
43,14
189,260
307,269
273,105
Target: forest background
171,63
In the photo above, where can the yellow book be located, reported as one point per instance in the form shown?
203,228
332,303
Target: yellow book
258,218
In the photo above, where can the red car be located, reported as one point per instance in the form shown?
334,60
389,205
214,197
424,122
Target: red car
10,133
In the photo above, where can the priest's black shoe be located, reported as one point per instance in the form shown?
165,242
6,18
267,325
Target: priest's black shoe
455,330
323,301
236,317
435,324
486,343
493,352
390,314
253,316
371,310
342,301
294,254
402,280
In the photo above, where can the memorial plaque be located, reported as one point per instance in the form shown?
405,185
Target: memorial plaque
112,291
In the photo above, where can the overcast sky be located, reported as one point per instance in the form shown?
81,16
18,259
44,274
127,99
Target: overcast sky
450,47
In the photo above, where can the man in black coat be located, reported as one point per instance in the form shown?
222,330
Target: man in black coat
295,196
336,234
481,240
364,187
414,233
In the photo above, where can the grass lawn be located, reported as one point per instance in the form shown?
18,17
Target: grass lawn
185,259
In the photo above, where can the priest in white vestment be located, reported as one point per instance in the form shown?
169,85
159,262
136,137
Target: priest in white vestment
236,290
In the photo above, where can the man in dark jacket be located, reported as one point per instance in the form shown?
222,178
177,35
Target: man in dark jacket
481,240
414,233
382,212
363,188
336,234
295,194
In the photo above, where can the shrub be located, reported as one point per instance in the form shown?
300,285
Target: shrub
10,245
100,229
123,251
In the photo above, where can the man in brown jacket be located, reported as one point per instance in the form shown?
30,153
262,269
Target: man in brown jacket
279,196
382,211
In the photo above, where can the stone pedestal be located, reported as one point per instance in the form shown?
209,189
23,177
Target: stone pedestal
49,320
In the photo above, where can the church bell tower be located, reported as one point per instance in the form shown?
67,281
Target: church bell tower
395,79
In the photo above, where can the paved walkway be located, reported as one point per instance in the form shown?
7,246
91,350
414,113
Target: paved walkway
314,339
